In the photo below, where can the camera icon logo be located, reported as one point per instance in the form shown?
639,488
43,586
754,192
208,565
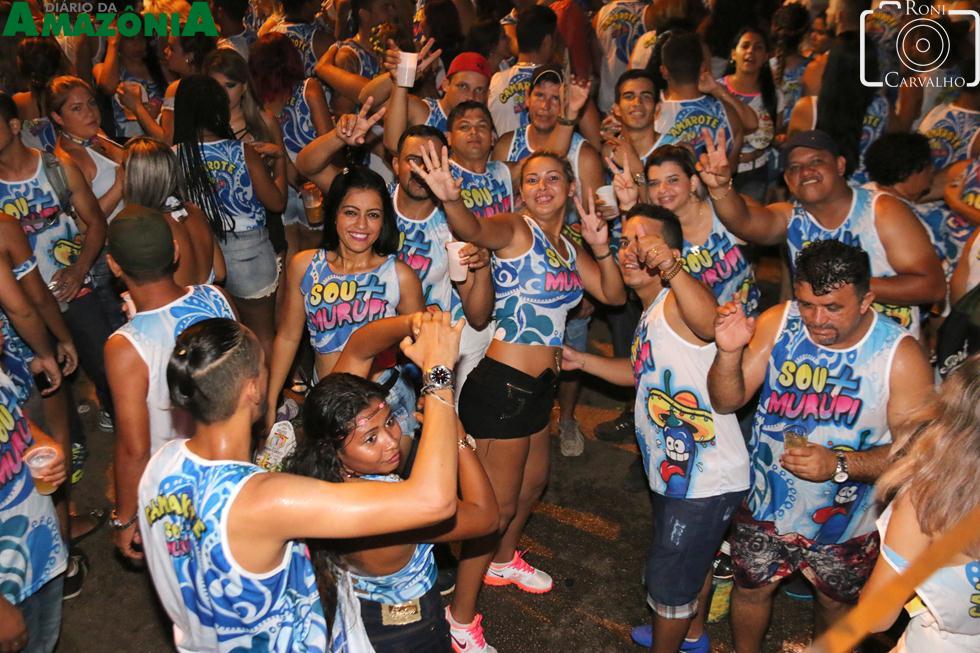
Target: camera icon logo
922,44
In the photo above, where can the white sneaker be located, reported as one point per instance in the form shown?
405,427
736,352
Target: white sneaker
468,638
518,572
572,440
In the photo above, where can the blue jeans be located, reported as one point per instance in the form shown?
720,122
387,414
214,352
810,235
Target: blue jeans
42,616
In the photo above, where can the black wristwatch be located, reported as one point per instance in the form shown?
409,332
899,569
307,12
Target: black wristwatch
437,378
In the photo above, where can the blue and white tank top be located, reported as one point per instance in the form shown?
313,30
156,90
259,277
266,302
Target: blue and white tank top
437,117
688,450
339,304
791,89
761,138
970,185
33,551
951,131
873,127
858,229
410,582
681,121
619,25
487,193
422,247
368,64
301,35
840,398
214,604
535,291
225,160
152,334
507,96
952,598
721,264
948,231
296,121
16,355
127,125
38,133
53,235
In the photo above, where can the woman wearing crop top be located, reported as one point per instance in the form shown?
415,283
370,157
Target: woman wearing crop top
232,184
150,178
353,437
506,402
932,485
352,279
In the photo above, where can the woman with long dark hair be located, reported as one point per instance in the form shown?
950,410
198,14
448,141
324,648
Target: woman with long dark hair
790,25
132,75
539,276
230,182
749,79
353,278
353,437
39,60
853,114
930,487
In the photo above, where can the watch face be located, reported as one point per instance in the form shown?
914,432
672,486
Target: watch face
440,375
840,477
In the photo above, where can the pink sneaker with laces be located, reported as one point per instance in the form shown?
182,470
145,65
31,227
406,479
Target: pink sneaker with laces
468,638
518,572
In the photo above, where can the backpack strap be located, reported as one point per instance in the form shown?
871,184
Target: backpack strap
59,182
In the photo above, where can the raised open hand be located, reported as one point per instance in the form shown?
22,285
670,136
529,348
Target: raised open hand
733,330
627,192
713,166
353,128
575,93
594,229
436,173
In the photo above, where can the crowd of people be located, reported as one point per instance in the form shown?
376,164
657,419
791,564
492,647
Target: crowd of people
392,224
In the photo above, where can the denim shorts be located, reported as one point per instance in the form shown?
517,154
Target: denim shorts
402,398
251,263
577,333
501,402
686,536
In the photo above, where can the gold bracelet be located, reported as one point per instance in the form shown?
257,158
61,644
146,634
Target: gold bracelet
672,272
731,184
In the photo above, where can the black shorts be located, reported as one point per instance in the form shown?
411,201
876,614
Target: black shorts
500,402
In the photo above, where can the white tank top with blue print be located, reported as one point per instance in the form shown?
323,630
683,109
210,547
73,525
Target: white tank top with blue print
16,356
225,160
858,229
721,264
951,131
296,121
951,621
535,291
215,605
681,121
840,398
487,193
338,304
437,117
422,247
410,582
689,451
53,235
507,97
153,333
33,551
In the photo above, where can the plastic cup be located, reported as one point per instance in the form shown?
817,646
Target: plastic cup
37,459
794,437
312,203
457,271
608,196
405,73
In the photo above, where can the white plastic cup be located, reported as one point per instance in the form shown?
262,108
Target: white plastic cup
608,196
37,459
405,73
457,271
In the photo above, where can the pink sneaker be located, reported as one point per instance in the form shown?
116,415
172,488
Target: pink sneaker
518,572
468,638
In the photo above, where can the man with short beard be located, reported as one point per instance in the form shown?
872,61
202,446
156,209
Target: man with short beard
844,379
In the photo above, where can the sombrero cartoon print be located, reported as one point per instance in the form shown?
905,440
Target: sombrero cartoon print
684,424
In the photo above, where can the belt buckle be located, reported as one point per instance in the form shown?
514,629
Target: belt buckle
401,614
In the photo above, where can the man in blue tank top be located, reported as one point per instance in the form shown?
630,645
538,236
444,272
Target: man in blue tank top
836,381
142,253
905,270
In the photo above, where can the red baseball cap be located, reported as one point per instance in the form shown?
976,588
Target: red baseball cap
471,62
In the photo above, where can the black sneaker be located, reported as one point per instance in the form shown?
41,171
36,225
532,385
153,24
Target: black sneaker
75,575
617,430
446,581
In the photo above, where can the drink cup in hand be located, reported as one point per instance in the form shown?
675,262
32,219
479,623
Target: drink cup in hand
794,437
608,196
457,271
38,458
405,73
312,203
